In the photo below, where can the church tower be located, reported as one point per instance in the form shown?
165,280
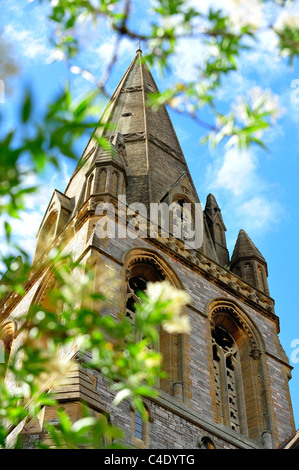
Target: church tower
227,381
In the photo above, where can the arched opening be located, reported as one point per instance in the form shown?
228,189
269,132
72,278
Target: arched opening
114,183
228,381
89,186
262,284
140,274
206,443
47,235
102,180
182,217
249,274
144,267
219,235
141,427
239,377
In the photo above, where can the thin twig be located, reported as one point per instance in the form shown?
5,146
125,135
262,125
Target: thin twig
196,119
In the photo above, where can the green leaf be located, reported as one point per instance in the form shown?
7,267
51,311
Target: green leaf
8,230
260,143
255,127
26,109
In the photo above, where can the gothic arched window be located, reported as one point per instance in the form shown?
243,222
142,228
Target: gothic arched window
182,218
140,275
47,234
261,279
226,362
141,269
89,186
219,235
240,398
141,427
102,180
249,273
206,443
114,183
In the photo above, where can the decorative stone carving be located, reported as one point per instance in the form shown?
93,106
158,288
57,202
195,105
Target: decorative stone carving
134,136
131,89
165,147
255,353
185,190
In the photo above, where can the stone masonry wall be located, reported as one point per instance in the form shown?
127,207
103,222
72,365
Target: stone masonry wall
176,424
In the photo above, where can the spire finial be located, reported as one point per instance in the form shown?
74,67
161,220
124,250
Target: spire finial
138,46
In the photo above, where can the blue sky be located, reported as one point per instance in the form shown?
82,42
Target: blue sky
256,191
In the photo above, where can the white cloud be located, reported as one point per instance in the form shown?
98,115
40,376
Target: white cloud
236,172
105,50
189,56
249,200
259,214
29,43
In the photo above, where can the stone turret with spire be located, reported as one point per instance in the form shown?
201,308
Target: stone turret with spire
217,229
248,263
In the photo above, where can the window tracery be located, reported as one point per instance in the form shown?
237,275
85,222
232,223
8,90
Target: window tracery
141,269
182,218
141,427
240,394
135,284
226,364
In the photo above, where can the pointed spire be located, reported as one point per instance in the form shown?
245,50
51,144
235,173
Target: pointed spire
155,160
139,47
212,208
217,229
245,248
248,263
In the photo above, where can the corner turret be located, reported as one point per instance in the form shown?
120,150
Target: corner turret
248,263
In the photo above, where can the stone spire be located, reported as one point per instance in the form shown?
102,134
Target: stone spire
217,229
248,263
155,160
143,160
